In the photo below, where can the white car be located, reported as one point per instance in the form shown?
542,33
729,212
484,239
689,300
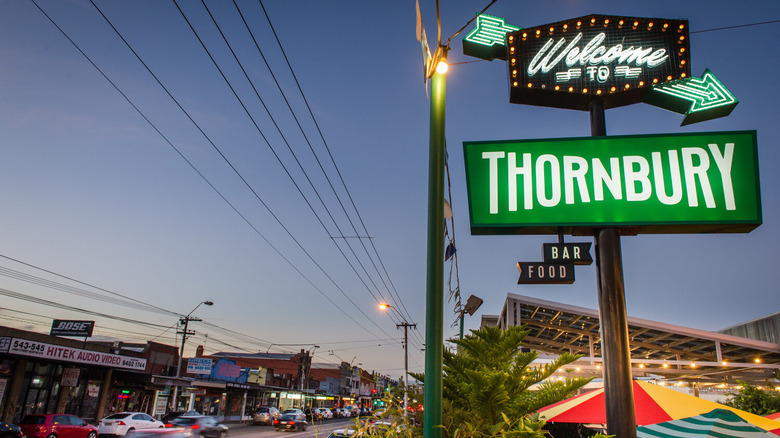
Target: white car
122,423
325,413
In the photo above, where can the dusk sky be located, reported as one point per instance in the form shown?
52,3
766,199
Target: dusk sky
139,217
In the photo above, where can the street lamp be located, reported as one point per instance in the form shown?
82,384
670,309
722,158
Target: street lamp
185,320
434,283
405,325
472,304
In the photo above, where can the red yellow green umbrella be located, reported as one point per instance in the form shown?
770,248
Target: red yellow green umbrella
652,404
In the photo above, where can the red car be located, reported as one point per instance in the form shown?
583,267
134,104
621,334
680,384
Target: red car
56,426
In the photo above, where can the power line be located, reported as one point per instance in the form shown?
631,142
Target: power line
181,154
333,161
735,27
235,170
265,139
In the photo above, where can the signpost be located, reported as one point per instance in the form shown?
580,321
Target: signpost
605,186
545,273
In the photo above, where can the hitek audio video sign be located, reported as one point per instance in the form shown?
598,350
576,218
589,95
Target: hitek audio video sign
667,183
568,63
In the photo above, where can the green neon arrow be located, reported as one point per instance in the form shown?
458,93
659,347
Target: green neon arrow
486,40
699,99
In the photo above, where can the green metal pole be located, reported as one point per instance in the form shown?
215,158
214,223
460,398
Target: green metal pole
434,310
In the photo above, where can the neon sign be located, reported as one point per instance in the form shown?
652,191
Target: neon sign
699,99
566,64
487,39
700,182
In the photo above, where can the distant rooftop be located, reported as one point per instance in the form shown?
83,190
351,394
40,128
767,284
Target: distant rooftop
258,355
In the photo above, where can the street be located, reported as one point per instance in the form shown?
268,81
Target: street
316,429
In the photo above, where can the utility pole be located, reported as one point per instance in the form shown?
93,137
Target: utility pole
406,326
184,333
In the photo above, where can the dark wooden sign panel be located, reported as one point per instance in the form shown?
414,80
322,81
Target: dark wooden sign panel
541,272
575,252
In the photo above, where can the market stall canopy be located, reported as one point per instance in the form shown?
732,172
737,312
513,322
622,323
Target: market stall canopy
653,404
716,423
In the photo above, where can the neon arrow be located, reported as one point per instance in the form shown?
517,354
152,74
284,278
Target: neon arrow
486,40
699,99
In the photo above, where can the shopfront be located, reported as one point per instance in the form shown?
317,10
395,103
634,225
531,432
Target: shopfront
45,374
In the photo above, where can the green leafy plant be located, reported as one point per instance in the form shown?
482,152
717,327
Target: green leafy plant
491,389
754,400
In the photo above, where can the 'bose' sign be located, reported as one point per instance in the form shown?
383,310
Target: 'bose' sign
62,327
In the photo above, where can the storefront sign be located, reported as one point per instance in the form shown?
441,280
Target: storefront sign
81,329
228,370
568,63
42,350
199,365
70,377
668,183
3,383
93,388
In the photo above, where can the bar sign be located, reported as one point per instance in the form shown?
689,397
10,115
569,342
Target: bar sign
575,252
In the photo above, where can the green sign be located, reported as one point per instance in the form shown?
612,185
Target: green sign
668,183
699,99
486,40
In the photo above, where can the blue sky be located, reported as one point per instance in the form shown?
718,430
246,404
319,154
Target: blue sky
92,192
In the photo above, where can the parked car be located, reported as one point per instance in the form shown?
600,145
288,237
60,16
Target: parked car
123,422
294,422
265,415
312,414
204,425
174,414
325,413
292,411
8,430
165,433
56,425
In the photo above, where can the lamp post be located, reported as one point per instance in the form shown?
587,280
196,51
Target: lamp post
185,320
434,290
405,325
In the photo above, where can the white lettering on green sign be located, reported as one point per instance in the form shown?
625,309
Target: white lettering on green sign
680,183
555,179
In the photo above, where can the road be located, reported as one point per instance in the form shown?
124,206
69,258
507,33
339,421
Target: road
316,430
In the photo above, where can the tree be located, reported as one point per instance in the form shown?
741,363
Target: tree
754,400
487,385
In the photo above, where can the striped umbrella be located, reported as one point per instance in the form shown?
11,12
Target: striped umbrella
718,423
652,404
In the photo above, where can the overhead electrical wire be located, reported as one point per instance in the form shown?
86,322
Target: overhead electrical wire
235,170
289,262
265,139
327,148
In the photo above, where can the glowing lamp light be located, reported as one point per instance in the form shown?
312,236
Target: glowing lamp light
442,67
384,306
666,365
758,360
723,363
